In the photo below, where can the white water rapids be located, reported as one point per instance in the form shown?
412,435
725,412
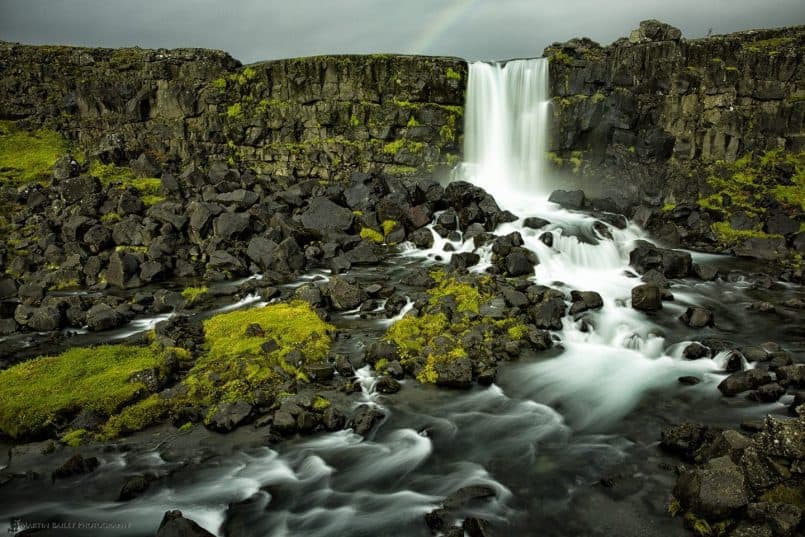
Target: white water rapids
540,437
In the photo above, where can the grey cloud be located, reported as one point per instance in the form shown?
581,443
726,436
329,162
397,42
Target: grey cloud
254,30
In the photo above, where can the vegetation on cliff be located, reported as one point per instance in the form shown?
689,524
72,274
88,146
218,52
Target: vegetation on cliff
27,156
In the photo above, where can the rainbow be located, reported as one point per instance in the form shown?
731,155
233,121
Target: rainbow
439,24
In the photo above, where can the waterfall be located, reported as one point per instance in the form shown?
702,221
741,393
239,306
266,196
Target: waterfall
505,127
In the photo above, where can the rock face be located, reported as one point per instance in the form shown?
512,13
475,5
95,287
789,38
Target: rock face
320,117
698,132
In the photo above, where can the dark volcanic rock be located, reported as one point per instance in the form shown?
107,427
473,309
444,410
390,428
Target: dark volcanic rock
742,381
696,317
229,416
175,525
715,491
365,418
646,297
454,373
323,216
568,199
132,488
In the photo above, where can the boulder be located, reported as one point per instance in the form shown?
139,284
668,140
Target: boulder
230,225
175,525
322,215
585,300
122,270
365,418
742,381
228,416
716,491
548,314
646,297
102,317
696,317
132,488
454,373
345,294
573,199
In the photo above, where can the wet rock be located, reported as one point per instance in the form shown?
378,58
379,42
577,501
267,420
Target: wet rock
534,222
102,317
8,288
76,465
646,297
365,418
229,416
333,419
132,488
573,199
715,491
584,301
307,421
671,263
175,525
364,253
345,294
45,319
791,375
284,423
520,262
320,371
387,385
743,381
768,393
476,527
230,225
783,518
463,260
180,331
696,317
685,439
548,314
707,273
422,238
695,350
688,380
454,373
547,239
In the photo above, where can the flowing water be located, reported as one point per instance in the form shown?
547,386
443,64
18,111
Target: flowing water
567,439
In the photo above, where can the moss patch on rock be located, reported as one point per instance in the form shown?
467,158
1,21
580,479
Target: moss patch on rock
149,188
40,392
27,156
450,327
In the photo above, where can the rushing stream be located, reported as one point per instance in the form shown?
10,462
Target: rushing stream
567,439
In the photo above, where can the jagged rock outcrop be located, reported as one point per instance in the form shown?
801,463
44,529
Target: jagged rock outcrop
321,117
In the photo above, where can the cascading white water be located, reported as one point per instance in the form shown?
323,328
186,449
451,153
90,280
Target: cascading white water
506,124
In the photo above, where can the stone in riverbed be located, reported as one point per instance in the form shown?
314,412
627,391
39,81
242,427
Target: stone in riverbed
322,215
102,317
768,393
229,416
454,373
345,294
365,418
573,199
175,525
716,491
548,314
695,350
743,381
585,300
76,465
132,488
646,297
696,317
387,385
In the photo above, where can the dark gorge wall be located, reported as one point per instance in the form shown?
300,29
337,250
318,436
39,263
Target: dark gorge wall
710,132
320,117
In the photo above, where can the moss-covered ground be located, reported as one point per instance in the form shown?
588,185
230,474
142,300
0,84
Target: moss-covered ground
40,396
439,334
27,156
37,393
149,188
748,185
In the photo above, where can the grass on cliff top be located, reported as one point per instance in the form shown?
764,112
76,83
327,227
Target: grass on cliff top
28,156
236,364
149,188
35,393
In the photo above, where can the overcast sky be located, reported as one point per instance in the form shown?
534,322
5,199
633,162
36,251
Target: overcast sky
254,30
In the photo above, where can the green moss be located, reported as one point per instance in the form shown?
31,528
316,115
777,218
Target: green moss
234,111
135,417
28,156
771,46
668,207
191,294
452,74
246,76
560,57
354,121
598,97
389,226
555,159
186,427
111,218
219,83
785,494
132,249
468,298
447,134
236,366
320,403
62,285
148,188
729,236
392,148
35,393
75,437
411,334
381,365
372,235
